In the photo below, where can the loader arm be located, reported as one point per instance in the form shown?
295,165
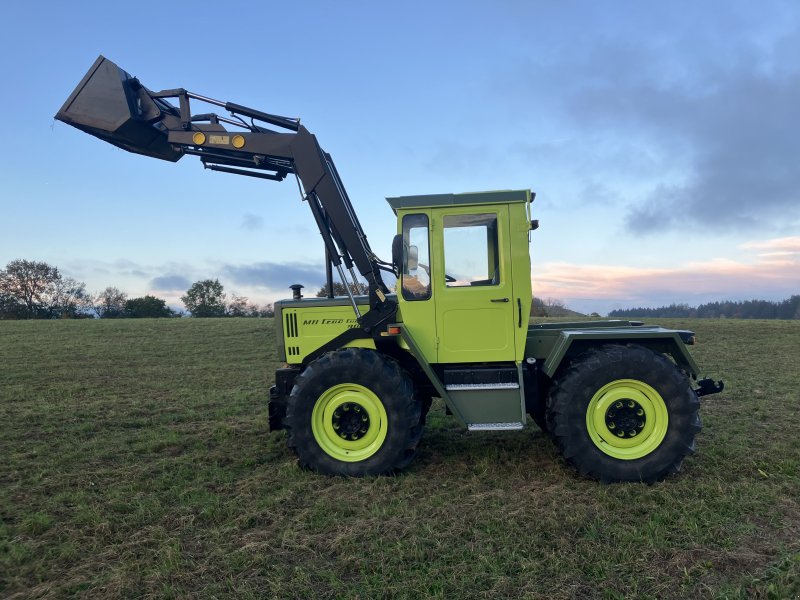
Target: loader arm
115,107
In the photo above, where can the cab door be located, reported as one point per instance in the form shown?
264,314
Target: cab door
475,306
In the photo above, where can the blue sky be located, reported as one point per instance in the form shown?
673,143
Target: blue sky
662,139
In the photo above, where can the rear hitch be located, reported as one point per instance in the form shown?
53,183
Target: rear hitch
709,386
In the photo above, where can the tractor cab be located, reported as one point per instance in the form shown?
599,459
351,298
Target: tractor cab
464,288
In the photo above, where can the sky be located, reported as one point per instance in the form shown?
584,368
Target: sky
662,139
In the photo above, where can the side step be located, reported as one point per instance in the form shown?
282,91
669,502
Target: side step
488,397
494,377
481,386
495,426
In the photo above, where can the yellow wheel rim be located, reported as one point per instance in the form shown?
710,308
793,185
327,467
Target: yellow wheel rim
627,419
349,422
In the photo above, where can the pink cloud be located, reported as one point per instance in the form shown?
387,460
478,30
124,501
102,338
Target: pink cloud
771,275
787,244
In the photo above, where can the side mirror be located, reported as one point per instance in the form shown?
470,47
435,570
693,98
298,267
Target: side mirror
397,253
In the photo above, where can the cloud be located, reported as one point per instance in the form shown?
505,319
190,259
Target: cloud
605,287
778,245
251,222
697,127
274,275
170,283
735,129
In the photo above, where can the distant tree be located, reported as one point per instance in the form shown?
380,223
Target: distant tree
29,284
556,307
267,310
205,298
240,306
358,289
36,290
672,311
551,307
538,308
110,303
790,308
726,309
68,299
11,308
147,307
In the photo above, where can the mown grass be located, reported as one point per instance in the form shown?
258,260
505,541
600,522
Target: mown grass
135,461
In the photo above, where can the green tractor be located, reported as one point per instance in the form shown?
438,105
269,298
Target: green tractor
619,399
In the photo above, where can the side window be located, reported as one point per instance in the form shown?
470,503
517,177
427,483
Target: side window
416,275
471,250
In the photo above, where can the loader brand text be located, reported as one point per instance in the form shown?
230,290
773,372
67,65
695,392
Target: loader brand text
329,322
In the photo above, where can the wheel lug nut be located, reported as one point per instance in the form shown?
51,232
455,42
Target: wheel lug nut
631,404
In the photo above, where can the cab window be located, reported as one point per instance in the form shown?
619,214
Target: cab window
471,250
416,274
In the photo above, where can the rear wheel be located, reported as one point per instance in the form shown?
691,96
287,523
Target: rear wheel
353,412
623,413
538,416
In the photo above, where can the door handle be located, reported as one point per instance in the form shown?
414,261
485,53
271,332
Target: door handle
519,311
499,299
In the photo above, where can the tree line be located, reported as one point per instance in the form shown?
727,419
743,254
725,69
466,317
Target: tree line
37,290
748,309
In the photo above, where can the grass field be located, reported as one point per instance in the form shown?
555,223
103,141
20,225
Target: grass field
135,461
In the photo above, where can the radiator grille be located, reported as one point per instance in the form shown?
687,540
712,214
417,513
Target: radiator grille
291,325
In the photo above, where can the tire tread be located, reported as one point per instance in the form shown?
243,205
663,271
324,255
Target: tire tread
574,387
381,374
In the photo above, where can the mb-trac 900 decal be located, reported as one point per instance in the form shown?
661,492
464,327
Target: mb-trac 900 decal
351,323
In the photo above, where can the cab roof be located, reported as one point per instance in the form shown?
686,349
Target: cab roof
431,200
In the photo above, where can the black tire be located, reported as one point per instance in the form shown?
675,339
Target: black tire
384,381
579,388
538,415
426,401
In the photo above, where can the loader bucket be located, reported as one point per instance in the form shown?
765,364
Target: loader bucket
113,106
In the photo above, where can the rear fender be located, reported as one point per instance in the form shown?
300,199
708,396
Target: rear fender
664,341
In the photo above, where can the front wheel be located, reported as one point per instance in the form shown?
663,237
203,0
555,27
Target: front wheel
353,412
624,413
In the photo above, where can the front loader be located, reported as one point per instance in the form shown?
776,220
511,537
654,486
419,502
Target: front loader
620,399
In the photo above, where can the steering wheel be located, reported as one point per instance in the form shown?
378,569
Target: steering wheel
427,270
